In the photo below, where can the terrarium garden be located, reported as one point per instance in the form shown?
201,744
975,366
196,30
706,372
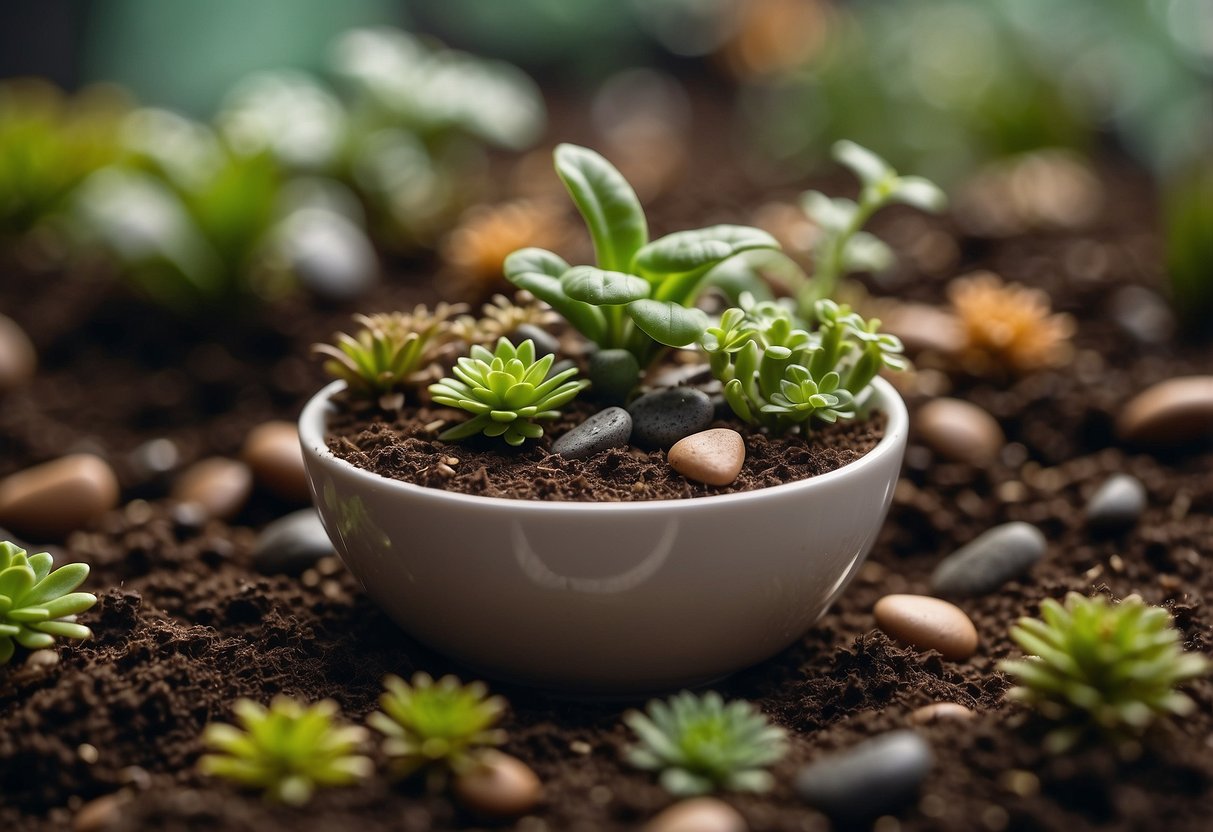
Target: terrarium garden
813,432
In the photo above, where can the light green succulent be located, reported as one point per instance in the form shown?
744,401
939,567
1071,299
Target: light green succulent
1101,667
287,750
439,725
701,743
780,376
36,604
508,391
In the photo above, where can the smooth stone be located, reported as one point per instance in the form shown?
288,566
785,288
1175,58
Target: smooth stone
499,786
220,486
50,500
698,814
609,428
1143,314
939,712
329,255
1170,413
661,418
272,451
927,623
154,458
925,328
100,813
613,374
1117,504
989,560
291,544
873,778
960,431
713,457
545,342
18,359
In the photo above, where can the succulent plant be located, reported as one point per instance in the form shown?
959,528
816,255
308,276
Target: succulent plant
391,353
780,376
287,749
1008,327
1101,667
502,316
507,390
439,725
701,743
36,604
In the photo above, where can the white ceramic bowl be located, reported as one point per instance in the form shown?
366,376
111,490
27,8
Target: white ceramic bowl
605,599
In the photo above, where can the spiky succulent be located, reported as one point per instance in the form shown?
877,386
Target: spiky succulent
36,604
502,316
439,725
780,376
507,390
287,750
701,743
1101,667
391,353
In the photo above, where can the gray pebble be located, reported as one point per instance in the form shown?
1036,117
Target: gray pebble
661,418
545,342
329,255
610,428
614,374
292,544
990,560
873,778
1117,504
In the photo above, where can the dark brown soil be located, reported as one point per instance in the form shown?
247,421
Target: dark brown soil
405,448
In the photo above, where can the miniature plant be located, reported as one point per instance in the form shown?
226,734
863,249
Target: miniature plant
1102,667
502,316
640,295
508,391
36,604
1008,327
780,376
439,725
700,744
287,749
392,353
843,245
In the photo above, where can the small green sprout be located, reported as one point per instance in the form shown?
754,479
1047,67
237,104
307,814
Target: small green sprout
640,295
393,352
700,744
287,749
36,604
507,390
779,376
439,725
844,245
1101,667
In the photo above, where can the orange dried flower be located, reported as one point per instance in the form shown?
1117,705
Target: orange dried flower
476,249
1009,326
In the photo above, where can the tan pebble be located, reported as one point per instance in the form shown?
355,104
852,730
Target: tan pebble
41,658
219,486
52,499
699,814
712,456
938,712
960,431
927,623
99,814
17,356
272,451
922,327
499,785
1172,412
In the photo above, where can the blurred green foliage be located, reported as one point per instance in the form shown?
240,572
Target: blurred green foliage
1189,227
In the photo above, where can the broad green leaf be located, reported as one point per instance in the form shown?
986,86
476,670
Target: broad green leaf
865,164
60,582
537,260
611,210
667,323
603,288
685,251
538,272
832,214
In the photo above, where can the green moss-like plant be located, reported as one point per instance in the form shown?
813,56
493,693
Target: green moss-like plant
1101,667
440,726
287,750
36,604
701,744
508,391
392,353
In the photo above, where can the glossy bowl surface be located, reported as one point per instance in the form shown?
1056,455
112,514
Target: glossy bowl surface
605,599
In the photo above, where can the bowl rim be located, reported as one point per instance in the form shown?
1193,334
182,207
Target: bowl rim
313,426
